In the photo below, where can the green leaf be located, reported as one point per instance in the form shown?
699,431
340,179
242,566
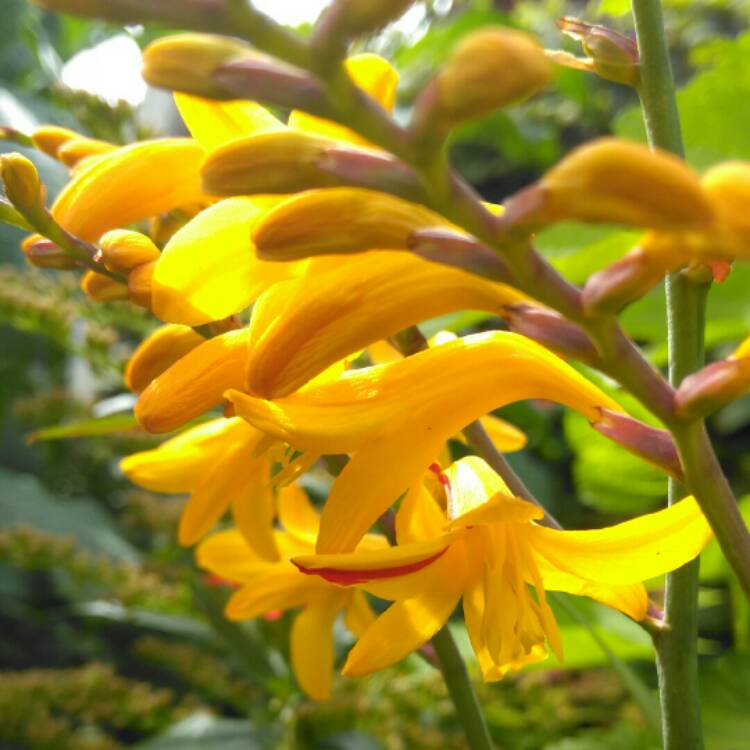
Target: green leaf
112,424
725,696
26,502
202,731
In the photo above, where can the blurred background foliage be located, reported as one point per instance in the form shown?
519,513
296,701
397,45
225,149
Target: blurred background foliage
112,638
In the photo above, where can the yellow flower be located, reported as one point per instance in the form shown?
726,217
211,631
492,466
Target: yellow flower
302,326
270,585
223,464
488,549
394,418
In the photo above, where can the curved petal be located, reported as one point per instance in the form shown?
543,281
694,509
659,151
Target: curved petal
419,517
227,555
213,123
297,514
130,184
253,509
194,384
157,352
629,552
498,509
279,586
506,437
178,464
208,269
327,316
471,482
311,645
408,624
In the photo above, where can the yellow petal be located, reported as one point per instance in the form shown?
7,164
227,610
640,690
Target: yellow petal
297,514
498,509
339,221
279,586
629,552
213,123
159,351
321,318
227,555
224,482
375,76
471,482
130,184
178,464
194,384
506,437
743,350
208,269
408,624
311,645
419,516
253,509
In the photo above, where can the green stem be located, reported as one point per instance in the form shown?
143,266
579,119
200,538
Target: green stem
676,643
461,691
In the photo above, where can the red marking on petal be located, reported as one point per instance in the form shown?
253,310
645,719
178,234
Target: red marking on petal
213,580
720,270
351,577
273,614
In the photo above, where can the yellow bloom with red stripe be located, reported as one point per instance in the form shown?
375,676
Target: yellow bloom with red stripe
269,585
488,549
394,418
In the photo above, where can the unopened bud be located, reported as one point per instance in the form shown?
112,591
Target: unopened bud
139,284
490,68
716,385
344,20
552,330
74,152
43,253
276,162
628,279
9,215
650,443
163,226
124,250
339,221
22,185
187,62
157,353
50,138
611,55
613,181
100,288
462,251
269,81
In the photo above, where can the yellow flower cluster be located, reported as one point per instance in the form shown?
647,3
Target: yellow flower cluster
255,212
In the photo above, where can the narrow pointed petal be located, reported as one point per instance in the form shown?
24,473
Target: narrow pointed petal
311,645
327,316
279,586
419,516
178,464
194,384
226,554
208,269
506,437
213,123
629,552
130,184
406,625
339,221
297,514
375,76
253,509
498,509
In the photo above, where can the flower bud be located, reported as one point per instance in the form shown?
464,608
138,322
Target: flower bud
22,185
339,221
43,253
49,138
611,55
139,284
461,251
552,330
276,162
650,443
100,288
728,188
347,19
716,385
613,181
159,352
124,250
186,62
163,226
271,82
9,215
73,152
628,279
490,68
